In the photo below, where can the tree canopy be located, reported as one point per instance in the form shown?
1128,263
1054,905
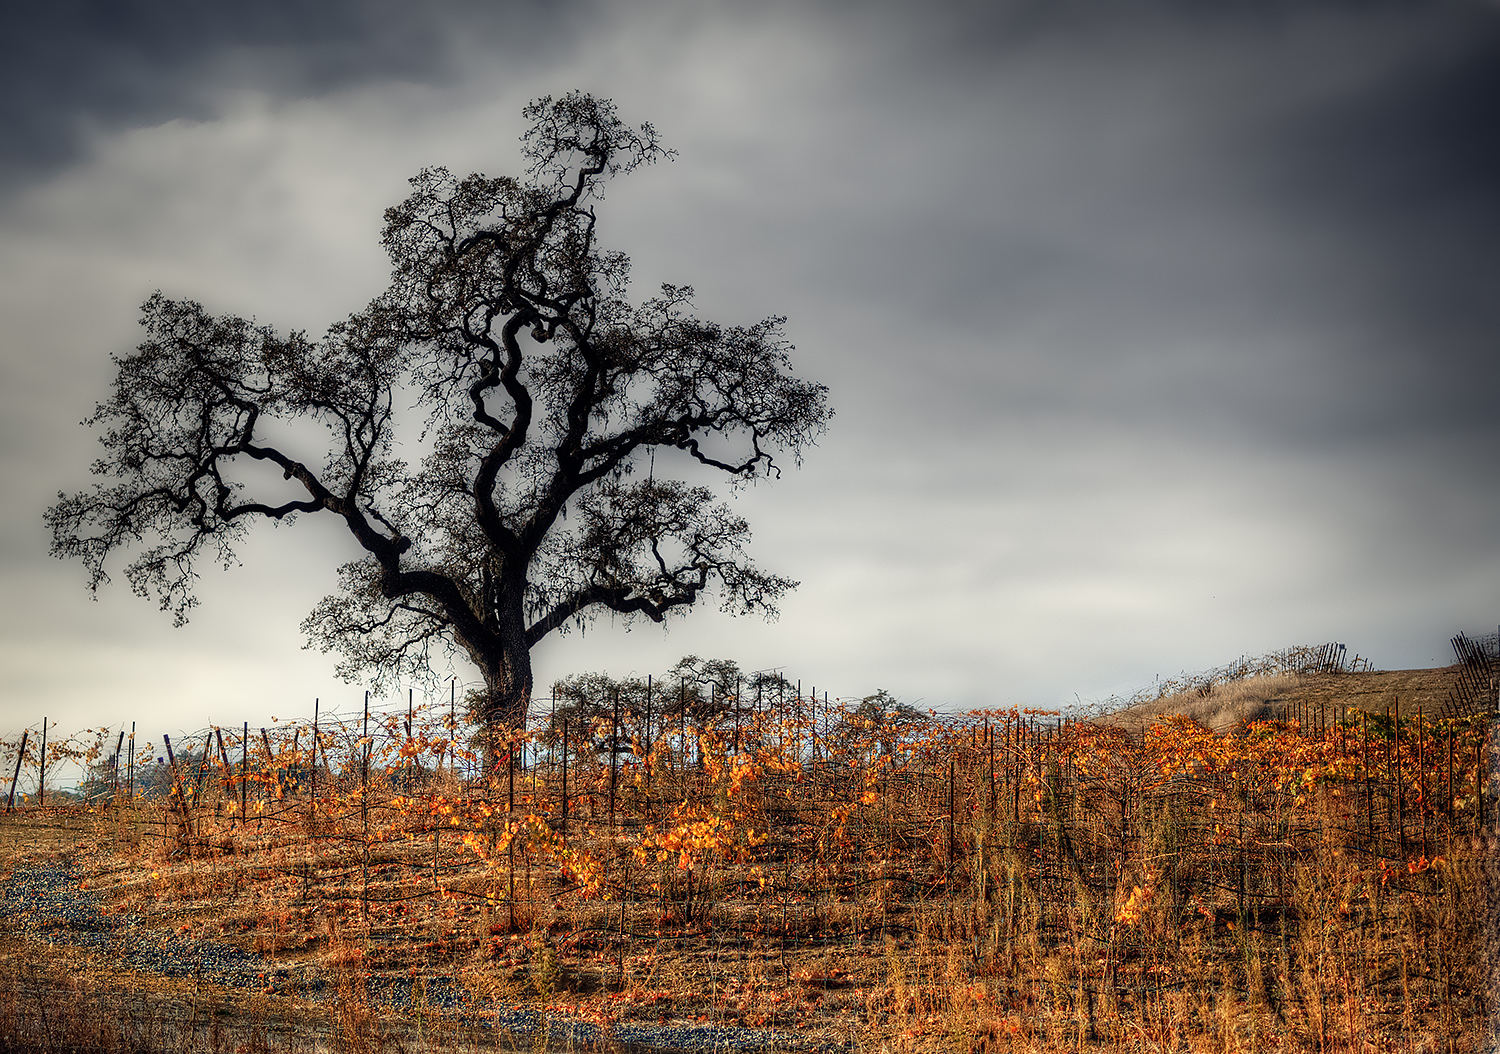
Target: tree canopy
486,429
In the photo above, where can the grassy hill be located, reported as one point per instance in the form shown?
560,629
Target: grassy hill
1227,707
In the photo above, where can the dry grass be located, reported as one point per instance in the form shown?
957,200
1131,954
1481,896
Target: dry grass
1225,708
998,884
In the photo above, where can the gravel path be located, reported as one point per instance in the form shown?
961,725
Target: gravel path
44,901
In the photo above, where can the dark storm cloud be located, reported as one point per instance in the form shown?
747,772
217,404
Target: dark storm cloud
70,67
1307,194
1405,177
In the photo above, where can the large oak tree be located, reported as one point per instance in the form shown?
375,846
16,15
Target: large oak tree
486,430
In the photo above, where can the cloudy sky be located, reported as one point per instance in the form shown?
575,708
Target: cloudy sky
1158,333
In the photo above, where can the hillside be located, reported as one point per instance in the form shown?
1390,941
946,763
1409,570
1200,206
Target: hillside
1228,707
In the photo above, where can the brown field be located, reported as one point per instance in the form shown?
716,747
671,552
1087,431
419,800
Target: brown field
1280,867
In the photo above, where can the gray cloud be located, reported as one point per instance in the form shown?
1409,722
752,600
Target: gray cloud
1286,219
76,68
1157,334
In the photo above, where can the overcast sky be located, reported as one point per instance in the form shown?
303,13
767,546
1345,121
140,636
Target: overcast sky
1158,333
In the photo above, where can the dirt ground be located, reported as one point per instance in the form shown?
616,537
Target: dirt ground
669,990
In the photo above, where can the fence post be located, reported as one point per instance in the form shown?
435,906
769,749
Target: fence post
114,790
1448,796
1478,781
315,755
614,758
646,761
270,765
244,771
1364,739
41,777
1400,783
10,803
989,741
365,747
208,749
951,804
364,790
1422,777
796,727
177,787
510,812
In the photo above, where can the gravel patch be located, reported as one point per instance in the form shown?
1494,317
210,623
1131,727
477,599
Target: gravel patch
45,902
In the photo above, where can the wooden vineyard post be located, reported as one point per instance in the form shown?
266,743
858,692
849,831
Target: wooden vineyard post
177,790
564,781
646,762
224,766
1422,780
364,813
1389,803
1364,739
614,757
244,772
989,739
624,903
796,727
364,774
10,803
827,716
453,724
208,749
1013,777
312,808
1479,782
1400,783
41,777
645,759
270,763
760,710
409,761
951,767
1449,795
510,850
813,730
1240,849
114,792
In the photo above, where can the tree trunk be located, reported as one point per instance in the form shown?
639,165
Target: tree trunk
506,697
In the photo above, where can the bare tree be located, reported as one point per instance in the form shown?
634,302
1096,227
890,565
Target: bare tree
521,501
